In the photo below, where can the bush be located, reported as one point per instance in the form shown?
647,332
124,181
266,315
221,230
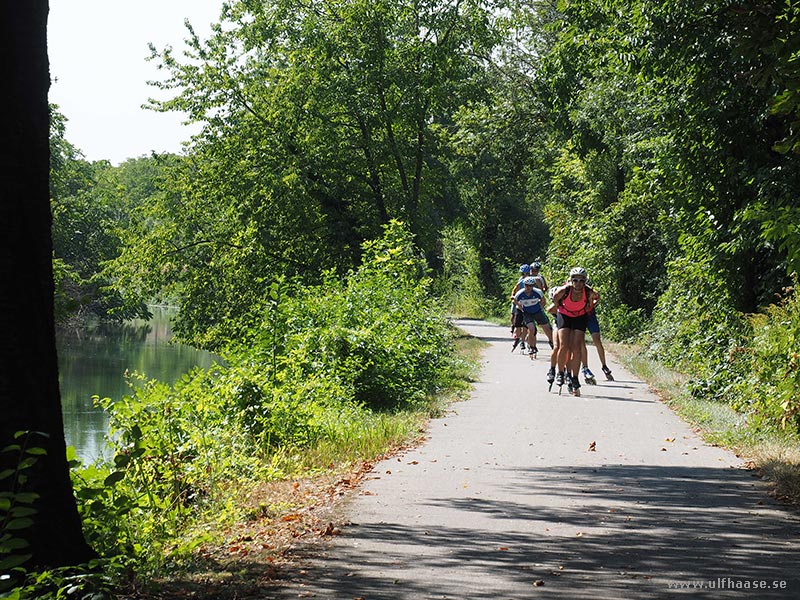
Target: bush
769,368
323,366
751,363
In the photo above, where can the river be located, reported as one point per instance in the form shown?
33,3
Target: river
93,360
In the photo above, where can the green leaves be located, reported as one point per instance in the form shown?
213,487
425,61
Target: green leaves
17,511
318,131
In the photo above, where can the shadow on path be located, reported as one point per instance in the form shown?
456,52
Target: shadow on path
606,532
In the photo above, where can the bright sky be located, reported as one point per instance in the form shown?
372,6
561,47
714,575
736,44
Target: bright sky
97,52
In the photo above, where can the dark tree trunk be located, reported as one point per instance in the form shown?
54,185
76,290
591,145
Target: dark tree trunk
29,393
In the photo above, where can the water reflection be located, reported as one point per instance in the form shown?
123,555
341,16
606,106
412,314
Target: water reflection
93,360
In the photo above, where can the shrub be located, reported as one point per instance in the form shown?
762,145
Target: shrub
769,367
323,366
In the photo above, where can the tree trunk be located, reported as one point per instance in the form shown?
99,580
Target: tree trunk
29,393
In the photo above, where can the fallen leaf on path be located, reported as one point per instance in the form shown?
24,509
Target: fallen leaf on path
538,583
579,534
414,462
593,447
331,530
669,439
663,449
503,548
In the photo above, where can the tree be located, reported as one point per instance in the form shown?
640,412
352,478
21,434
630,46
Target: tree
667,144
29,394
319,129
91,204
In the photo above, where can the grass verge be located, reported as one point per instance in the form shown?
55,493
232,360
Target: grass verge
286,519
775,455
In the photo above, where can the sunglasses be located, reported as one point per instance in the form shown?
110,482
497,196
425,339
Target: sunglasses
578,280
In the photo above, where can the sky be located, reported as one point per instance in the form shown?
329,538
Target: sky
97,51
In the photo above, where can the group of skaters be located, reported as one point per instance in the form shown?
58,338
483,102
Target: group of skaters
573,306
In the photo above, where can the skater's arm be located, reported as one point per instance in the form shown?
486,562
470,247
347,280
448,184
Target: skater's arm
560,293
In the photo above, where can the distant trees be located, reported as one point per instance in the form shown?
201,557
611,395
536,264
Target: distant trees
92,205
653,143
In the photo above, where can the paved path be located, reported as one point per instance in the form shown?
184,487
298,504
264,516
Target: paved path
506,501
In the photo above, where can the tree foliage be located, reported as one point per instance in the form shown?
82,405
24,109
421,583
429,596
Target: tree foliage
666,146
91,205
320,125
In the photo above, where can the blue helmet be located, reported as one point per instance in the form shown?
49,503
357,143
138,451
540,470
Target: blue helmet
526,268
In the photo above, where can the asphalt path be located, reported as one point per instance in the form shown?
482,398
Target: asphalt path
523,493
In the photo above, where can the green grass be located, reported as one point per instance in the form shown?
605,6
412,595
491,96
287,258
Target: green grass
369,436
774,454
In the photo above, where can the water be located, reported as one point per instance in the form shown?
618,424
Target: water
93,361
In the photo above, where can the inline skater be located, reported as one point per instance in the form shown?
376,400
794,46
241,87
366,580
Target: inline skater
541,283
517,327
573,302
551,373
593,327
529,305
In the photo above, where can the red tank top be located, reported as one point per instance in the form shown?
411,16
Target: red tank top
574,308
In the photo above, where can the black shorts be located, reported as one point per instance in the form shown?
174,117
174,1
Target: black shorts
565,322
537,317
519,320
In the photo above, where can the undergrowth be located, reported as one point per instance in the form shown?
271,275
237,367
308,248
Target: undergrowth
334,374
